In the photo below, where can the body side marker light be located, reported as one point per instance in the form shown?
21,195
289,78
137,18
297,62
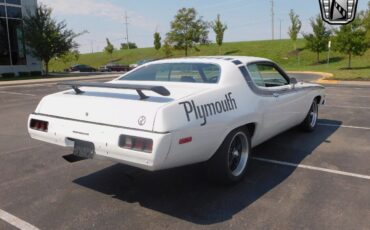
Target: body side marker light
185,140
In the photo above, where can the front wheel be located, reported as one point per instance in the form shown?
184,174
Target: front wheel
230,162
310,122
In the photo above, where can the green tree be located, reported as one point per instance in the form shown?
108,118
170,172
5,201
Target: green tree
167,48
131,45
47,38
350,39
157,41
69,57
188,30
109,48
367,24
219,28
318,40
294,28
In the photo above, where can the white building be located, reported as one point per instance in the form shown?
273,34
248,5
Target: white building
13,55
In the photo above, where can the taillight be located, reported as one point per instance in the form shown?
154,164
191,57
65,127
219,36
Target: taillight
39,125
136,143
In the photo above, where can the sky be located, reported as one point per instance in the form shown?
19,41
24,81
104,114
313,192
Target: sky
247,20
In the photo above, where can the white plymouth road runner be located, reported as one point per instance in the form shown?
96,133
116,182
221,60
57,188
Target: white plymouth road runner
177,112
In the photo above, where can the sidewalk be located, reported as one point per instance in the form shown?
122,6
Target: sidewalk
58,79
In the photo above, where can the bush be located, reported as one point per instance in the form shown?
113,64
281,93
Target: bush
132,46
8,75
36,73
24,74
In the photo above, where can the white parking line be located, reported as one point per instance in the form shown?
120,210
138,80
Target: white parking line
20,149
28,86
15,221
346,106
313,168
344,126
22,94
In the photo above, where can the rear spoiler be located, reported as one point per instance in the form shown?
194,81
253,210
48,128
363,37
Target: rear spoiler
139,88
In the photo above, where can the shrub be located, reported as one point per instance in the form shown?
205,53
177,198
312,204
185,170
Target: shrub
35,73
8,75
24,74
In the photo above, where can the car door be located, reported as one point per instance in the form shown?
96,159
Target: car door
279,105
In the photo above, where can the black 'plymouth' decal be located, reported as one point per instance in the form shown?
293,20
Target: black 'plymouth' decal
210,109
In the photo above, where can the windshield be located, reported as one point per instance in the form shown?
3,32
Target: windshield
176,72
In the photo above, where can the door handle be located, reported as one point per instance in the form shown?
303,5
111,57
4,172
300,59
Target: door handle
275,94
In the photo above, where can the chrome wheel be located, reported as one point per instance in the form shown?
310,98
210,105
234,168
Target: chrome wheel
238,153
313,115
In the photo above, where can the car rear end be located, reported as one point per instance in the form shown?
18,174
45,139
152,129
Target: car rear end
108,123
102,120
139,148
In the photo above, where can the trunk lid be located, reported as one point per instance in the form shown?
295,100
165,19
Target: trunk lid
119,107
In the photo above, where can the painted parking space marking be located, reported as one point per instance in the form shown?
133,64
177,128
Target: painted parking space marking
28,85
20,149
21,94
343,173
344,126
15,221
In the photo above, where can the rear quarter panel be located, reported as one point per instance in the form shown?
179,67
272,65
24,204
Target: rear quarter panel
310,92
208,133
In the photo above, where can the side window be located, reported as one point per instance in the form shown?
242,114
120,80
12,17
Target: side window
256,76
266,75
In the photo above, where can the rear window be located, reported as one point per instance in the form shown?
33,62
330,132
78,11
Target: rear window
176,72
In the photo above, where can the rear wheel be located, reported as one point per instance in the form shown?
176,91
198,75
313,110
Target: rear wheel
310,122
230,162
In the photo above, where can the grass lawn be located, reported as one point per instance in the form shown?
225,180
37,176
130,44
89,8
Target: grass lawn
279,50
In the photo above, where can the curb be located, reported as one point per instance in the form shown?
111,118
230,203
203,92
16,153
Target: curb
55,80
322,80
325,81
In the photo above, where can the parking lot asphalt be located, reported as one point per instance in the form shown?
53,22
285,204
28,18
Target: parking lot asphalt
318,180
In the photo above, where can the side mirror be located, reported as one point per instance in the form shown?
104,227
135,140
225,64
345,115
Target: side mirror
293,81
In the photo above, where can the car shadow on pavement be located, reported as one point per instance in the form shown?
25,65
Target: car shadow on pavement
185,193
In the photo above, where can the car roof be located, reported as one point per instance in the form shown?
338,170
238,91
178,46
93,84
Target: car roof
214,59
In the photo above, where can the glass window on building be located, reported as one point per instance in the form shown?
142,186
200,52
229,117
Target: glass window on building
17,46
2,11
14,2
12,45
4,45
14,12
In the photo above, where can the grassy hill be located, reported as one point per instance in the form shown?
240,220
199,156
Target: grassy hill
279,50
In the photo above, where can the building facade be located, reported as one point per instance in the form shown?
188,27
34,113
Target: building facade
13,55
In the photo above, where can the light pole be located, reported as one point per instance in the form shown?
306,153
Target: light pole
126,23
272,20
329,47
